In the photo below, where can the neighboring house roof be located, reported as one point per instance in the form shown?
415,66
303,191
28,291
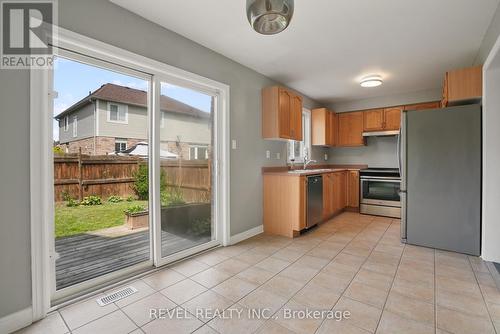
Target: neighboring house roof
131,96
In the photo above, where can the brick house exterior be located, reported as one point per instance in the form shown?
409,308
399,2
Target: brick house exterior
114,118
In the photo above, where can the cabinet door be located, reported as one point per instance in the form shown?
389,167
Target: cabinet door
392,118
423,106
284,115
350,129
373,120
327,192
343,189
296,118
353,189
334,131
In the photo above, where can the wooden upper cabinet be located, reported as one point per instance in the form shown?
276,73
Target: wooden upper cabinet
350,129
373,120
281,114
423,106
296,121
323,127
463,86
382,119
392,118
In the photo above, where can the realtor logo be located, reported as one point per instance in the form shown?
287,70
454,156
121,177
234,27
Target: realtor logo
27,32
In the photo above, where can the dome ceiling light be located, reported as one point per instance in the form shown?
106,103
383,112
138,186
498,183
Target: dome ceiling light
269,17
371,81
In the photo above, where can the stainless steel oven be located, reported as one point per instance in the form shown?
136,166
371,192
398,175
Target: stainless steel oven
379,192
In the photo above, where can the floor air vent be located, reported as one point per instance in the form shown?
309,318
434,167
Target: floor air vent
116,296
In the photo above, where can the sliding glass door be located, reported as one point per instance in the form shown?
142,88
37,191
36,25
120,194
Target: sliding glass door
186,170
100,165
135,179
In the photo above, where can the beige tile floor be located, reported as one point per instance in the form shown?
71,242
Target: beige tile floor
352,263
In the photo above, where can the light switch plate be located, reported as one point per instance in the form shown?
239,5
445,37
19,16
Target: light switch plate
268,154
326,156
278,155
233,144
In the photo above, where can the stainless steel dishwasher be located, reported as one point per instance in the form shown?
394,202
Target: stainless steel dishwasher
314,200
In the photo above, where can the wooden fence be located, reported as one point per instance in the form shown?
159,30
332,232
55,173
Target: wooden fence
78,175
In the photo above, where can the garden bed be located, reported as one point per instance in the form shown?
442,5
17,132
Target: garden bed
192,221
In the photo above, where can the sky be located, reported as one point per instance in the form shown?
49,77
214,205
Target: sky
74,80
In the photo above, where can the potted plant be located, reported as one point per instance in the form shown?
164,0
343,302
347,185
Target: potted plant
136,216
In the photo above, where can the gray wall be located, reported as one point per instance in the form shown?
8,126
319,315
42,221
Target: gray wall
109,23
489,38
380,152
15,282
390,100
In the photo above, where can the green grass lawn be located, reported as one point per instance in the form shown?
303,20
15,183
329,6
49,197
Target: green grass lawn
81,219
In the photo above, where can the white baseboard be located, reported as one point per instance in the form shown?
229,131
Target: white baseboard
247,234
17,320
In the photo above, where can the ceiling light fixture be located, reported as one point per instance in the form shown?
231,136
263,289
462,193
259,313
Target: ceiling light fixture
371,81
269,17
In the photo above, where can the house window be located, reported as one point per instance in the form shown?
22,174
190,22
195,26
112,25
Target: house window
66,123
117,113
198,153
298,149
120,145
75,126
163,115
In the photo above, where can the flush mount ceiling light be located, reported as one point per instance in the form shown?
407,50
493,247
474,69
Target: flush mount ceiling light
269,17
371,81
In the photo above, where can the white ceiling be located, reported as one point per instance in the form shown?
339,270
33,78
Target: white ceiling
331,44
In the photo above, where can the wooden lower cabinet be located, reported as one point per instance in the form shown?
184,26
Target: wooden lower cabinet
284,204
353,189
285,200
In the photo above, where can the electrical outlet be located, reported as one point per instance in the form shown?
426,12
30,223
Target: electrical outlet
278,156
268,154
233,144
326,156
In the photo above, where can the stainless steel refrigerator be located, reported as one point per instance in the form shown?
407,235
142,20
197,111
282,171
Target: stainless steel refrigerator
440,165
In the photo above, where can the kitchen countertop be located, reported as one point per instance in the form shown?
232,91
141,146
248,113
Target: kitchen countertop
315,170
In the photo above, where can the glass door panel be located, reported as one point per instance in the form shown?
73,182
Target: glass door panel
101,185
186,168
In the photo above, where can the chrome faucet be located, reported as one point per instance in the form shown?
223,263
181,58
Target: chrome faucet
307,161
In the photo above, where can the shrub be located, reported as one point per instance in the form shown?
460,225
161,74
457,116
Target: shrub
91,200
115,199
72,203
58,150
130,199
200,227
171,197
65,195
134,209
141,182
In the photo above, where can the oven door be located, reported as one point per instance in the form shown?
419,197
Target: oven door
380,191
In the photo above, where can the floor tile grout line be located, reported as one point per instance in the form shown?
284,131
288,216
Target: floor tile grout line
354,276
435,296
482,295
392,284
291,263
272,316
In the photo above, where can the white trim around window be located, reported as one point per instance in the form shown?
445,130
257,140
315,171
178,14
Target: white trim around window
296,149
120,108
41,153
66,123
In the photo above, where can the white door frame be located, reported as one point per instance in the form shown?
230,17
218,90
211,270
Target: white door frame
41,154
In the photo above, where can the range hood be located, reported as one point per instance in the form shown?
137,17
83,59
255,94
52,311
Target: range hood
381,133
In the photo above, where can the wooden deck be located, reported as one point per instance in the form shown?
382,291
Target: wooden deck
87,256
